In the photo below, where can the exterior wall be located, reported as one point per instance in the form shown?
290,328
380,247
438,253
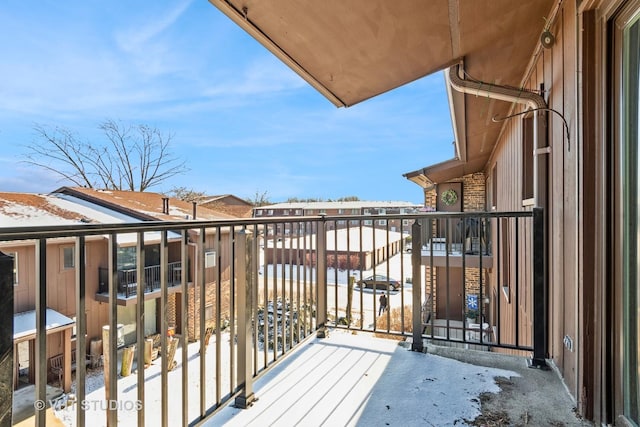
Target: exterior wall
285,228
473,187
472,287
473,200
193,301
554,70
61,287
473,193
230,205
61,292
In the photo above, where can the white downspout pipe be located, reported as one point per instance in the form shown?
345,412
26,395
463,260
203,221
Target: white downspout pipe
532,100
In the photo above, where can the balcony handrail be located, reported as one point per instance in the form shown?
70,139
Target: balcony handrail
303,280
75,230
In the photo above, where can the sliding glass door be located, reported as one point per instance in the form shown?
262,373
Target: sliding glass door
629,292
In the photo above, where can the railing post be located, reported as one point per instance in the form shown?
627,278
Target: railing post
7,371
321,268
41,332
416,287
538,360
245,284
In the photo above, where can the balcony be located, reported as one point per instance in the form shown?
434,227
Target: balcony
127,281
255,300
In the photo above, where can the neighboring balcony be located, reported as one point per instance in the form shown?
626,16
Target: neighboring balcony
127,281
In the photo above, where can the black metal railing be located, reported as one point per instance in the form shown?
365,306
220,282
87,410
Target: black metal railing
252,295
127,279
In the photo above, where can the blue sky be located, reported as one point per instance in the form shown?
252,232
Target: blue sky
242,120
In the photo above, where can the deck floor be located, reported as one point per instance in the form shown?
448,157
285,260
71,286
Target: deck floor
360,380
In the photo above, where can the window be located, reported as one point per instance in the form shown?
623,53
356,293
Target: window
298,212
68,257
628,100
368,222
382,222
342,222
355,211
367,211
285,212
494,187
126,258
382,211
354,222
270,212
527,158
340,211
405,222
15,267
258,212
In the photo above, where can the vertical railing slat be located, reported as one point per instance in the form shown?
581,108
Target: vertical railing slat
517,279
321,280
184,326
218,285
41,332
538,359
140,338
244,330
201,322
112,341
81,327
416,299
164,328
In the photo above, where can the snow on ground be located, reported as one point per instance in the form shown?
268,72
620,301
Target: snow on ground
343,380
127,400
399,268
360,380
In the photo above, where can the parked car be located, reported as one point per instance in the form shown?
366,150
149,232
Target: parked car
380,282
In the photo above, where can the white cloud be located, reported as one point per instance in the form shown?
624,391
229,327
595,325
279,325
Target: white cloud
139,35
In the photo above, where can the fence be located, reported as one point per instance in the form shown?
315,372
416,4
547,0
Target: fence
255,289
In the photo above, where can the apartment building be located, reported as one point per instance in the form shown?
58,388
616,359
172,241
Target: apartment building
289,211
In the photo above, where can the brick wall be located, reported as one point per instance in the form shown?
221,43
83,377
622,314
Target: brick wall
193,308
473,190
473,193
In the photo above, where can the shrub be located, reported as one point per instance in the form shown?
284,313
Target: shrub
396,321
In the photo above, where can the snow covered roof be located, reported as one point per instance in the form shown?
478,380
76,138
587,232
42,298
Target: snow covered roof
354,240
22,209
145,206
24,324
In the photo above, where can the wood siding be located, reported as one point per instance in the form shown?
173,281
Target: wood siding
553,70
61,292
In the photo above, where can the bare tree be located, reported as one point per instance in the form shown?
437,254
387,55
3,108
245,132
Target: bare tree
133,157
259,199
186,194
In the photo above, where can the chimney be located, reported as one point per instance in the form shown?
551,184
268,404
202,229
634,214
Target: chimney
165,205
194,209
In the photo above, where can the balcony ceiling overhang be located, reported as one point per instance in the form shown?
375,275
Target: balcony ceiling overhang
445,171
353,50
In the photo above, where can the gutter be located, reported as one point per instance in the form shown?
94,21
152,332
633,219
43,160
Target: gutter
536,104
